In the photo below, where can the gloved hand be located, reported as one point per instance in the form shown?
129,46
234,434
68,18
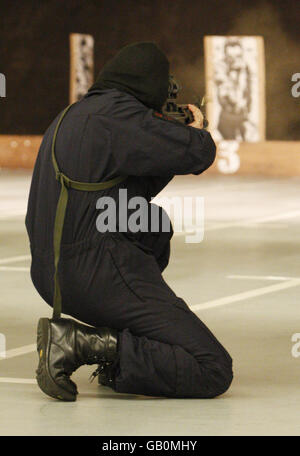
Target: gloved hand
198,117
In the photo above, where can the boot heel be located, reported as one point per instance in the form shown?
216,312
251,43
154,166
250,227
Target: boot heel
43,376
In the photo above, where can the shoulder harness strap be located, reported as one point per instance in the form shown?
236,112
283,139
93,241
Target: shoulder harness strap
61,211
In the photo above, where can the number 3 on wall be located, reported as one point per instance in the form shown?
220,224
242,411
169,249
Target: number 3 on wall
228,160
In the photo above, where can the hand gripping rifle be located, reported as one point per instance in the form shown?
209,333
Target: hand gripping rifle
181,112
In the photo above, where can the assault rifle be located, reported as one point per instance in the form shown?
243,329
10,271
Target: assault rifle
181,112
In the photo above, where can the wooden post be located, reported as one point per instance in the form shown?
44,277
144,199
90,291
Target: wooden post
81,65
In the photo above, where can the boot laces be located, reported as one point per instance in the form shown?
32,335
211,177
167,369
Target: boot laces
101,368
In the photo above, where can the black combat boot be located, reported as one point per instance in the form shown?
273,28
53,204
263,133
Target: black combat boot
63,345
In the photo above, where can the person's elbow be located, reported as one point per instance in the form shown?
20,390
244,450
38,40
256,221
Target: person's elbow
211,151
206,153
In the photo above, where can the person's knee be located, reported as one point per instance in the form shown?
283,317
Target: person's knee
223,379
225,384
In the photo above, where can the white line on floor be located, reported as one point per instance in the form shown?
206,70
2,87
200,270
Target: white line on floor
5,216
254,277
282,216
246,295
13,268
19,351
17,380
221,226
15,259
249,222
271,225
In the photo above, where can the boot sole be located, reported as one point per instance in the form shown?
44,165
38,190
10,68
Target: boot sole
43,376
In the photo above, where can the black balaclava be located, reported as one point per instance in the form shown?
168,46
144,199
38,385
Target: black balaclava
140,69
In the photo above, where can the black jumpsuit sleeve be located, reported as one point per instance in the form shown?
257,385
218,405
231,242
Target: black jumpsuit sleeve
156,146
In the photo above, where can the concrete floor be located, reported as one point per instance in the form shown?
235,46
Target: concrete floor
243,281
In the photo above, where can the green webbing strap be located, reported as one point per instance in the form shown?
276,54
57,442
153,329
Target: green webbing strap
61,211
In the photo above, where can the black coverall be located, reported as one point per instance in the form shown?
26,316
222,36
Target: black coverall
114,279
